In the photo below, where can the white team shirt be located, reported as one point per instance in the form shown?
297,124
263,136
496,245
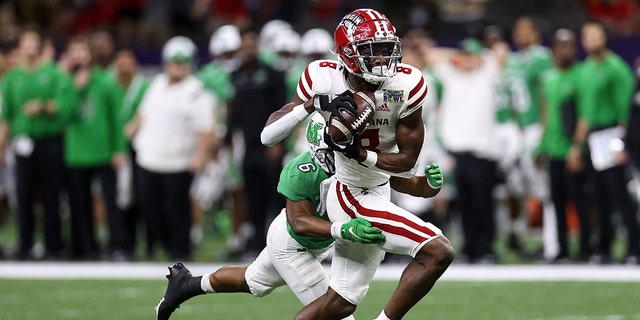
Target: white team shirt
396,98
467,109
172,117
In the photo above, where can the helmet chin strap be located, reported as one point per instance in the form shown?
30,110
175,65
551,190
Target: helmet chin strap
373,79
378,74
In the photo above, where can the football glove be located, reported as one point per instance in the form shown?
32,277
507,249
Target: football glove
350,150
434,175
336,103
358,230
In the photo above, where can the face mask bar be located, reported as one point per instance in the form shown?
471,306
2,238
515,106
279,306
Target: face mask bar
325,158
378,60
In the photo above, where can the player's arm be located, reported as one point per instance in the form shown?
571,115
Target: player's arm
282,122
426,186
304,223
409,138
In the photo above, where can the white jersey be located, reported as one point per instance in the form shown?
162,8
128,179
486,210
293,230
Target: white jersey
396,98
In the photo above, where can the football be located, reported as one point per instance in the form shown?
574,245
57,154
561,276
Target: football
342,132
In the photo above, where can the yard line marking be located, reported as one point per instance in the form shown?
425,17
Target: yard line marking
157,271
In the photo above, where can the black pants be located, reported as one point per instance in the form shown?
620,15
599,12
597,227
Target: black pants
565,186
475,181
263,200
612,195
82,223
166,207
132,215
44,167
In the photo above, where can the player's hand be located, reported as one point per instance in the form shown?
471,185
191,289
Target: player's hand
350,150
335,103
360,230
434,175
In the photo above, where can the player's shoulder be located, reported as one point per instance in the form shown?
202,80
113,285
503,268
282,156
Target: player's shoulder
300,171
409,80
293,168
318,77
406,76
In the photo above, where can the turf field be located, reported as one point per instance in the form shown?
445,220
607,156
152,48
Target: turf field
134,299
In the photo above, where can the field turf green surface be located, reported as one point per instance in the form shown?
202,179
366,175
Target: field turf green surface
125,299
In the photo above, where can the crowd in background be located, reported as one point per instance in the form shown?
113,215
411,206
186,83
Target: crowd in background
98,153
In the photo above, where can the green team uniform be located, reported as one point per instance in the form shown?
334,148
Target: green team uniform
20,86
217,80
560,91
607,87
291,78
127,101
92,137
519,92
300,180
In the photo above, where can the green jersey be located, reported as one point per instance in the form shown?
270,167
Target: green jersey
291,78
519,93
21,86
560,93
92,136
127,101
300,180
606,90
218,81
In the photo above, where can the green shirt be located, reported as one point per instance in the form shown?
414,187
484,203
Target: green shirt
300,180
560,90
127,101
20,86
218,81
292,76
519,93
606,90
93,134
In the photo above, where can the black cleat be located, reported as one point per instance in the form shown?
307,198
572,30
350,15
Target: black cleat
182,286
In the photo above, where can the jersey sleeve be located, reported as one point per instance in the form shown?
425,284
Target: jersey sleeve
316,78
297,179
418,93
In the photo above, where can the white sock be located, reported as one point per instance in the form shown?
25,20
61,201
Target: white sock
205,285
382,316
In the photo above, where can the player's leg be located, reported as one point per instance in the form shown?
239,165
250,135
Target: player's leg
419,277
299,267
259,279
405,234
352,268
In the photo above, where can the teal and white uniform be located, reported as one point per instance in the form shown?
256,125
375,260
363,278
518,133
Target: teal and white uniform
519,102
288,258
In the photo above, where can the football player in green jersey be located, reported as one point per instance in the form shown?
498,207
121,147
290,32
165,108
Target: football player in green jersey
298,239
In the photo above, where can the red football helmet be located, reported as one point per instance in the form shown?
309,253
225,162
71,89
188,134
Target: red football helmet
367,45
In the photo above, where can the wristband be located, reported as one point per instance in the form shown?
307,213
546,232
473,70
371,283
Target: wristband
299,112
371,159
335,230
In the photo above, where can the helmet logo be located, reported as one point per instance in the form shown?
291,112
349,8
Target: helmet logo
313,130
351,22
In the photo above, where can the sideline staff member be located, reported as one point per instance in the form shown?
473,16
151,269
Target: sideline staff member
173,131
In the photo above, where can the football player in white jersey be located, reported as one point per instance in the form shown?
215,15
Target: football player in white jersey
369,60
298,239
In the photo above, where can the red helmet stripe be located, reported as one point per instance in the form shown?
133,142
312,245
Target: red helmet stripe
376,15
